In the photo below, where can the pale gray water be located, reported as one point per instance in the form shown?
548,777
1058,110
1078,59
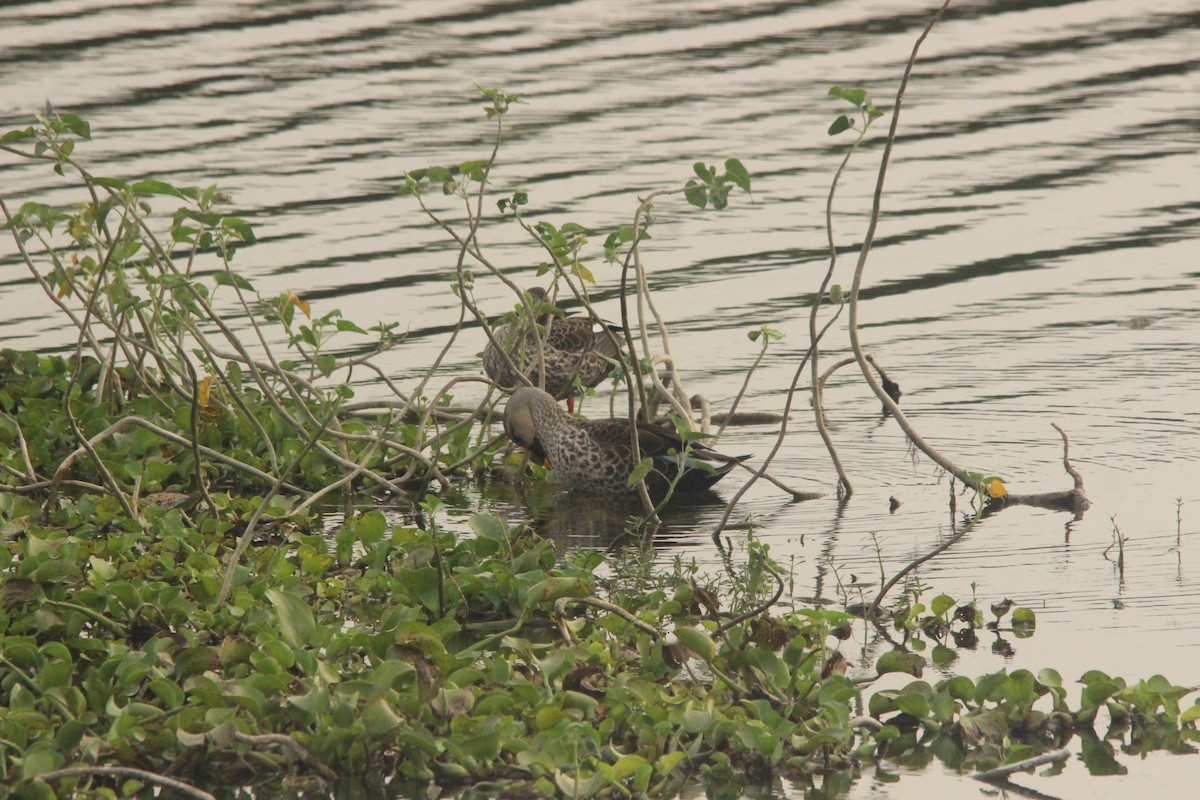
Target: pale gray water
1043,194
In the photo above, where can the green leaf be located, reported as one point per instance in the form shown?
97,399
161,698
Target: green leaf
114,184
962,688
488,526
76,125
697,641
719,195
296,621
915,704
840,124
703,172
736,172
326,363
1024,618
231,278
154,187
378,718
941,604
1050,678
17,136
347,325
640,471
239,228
900,661
856,97
475,170
696,194
39,762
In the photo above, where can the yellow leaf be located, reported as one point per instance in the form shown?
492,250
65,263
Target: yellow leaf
300,304
584,273
996,488
204,391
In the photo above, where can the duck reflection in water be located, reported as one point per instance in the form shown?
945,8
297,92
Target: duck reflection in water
590,521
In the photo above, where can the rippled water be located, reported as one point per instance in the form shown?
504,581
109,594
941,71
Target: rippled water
1037,260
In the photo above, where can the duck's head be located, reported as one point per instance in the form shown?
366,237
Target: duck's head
519,414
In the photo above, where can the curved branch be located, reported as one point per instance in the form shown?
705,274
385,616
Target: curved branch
129,772
890,404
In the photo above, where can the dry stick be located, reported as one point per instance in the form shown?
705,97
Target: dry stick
166,367
474,218
232,339
348,478
844,487
845,362
472,307
1074,500
289,376
1001,773
873,609
128,772
678,399
471,456
244,541
13,471
383,376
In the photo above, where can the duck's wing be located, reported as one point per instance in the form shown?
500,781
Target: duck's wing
582,335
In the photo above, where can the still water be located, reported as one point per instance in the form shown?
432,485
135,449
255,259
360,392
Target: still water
1037,260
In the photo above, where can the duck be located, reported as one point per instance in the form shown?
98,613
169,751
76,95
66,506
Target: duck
596,455
573,347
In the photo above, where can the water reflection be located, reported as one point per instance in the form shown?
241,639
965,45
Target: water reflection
580,520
